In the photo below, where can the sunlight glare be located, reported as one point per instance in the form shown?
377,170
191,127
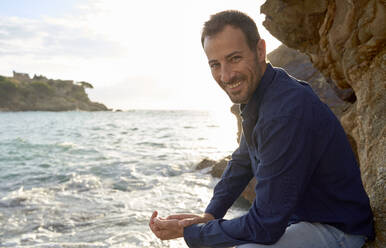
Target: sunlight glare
226,137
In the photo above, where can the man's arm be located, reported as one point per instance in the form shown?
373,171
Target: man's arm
233,181
285,168
235,178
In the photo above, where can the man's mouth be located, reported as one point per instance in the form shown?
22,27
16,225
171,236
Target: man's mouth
233,85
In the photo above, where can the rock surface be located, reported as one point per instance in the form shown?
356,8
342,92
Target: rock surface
21,93
345,40
299,66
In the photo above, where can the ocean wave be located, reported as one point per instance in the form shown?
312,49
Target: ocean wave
81,183
130,184
15,146
67,145
152,144
13,202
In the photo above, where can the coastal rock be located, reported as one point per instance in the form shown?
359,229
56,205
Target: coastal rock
299,66
345,41
22,93
218,167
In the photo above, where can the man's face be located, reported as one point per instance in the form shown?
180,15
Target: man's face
236,68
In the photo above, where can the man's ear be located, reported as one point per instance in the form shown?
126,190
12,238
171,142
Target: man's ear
260,50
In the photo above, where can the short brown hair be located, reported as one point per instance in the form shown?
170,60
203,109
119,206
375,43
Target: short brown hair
235,18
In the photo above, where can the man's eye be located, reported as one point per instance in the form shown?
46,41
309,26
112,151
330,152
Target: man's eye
214,66
235,59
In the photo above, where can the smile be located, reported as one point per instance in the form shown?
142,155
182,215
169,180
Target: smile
231,86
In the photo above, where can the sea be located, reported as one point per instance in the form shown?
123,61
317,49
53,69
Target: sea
93,179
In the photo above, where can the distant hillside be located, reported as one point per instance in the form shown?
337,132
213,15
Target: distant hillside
22,93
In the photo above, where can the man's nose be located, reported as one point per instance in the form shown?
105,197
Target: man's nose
226,73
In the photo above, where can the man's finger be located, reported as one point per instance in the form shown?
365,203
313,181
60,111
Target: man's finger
180,216
158,234
191,221
165,224
152,226
164,234
155,213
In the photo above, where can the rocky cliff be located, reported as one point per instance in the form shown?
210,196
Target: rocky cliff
22,93
345,40
300,67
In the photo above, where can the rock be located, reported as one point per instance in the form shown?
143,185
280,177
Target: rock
217,167
235,109
299,66
21,93
345,41
205,163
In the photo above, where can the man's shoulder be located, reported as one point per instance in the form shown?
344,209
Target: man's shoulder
285,84
286,96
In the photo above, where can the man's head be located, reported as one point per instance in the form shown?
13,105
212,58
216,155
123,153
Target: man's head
235,52
234,18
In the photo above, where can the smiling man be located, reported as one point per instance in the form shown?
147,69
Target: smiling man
309,191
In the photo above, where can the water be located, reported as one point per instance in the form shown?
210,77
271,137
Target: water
83,179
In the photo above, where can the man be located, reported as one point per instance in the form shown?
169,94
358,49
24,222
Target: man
309,191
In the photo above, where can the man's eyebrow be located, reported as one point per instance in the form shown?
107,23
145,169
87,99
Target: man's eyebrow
227,56
212,61
231,54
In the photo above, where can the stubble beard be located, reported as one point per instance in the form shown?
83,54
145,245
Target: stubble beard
250,87
238,98
246,93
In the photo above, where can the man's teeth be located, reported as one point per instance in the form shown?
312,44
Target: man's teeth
234,85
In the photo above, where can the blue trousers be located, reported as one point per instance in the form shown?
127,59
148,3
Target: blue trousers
313,235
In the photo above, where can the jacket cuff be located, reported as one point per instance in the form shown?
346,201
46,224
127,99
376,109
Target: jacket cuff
192,235
214,209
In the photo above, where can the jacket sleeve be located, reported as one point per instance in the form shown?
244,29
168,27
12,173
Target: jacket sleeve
284,170
235,178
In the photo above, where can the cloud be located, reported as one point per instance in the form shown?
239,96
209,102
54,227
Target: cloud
48,37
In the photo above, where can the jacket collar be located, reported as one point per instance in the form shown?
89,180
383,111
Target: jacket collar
250,110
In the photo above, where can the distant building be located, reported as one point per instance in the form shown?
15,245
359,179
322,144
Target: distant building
21,76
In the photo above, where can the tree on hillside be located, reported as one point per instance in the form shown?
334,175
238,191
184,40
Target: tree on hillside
86,85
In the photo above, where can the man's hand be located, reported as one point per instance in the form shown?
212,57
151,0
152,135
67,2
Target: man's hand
173,226
165,229
185,220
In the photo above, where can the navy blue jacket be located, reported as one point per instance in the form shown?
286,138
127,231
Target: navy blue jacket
300,156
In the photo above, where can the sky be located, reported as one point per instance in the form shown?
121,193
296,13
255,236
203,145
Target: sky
143,54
